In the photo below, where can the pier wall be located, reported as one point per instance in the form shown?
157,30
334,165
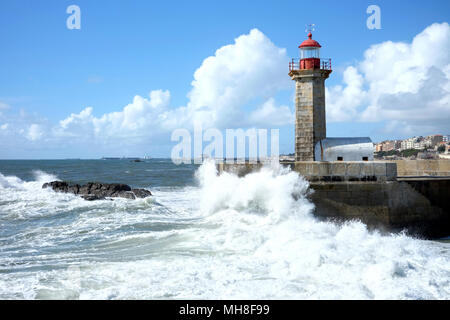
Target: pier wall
420,207
419,168
328,171
372,193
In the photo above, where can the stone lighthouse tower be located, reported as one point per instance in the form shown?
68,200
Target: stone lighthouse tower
309,73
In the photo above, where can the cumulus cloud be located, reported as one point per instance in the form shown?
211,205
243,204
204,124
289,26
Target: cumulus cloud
237,75
269,113
405,84
4,106
34,132
136,119
251,67
19,127
343,100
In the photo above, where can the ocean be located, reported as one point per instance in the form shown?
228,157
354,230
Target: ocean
200,236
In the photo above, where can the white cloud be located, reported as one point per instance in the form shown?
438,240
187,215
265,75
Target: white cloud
251,68
4,126
271,115
4,106
138,118
342,102
34,132
405,84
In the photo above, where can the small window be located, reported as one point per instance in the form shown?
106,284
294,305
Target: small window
340,158
365,158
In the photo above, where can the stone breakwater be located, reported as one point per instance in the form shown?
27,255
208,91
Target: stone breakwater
98,191
372,192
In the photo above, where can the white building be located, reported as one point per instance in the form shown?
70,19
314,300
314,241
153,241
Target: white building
408,144
344,149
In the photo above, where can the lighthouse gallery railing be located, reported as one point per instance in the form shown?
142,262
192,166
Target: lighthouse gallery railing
325,64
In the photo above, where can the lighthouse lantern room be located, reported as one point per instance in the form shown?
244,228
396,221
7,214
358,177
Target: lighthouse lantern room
310,54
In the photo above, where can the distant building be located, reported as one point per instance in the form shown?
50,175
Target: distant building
429,144
436,139
415,143
407,144
378,147
388,145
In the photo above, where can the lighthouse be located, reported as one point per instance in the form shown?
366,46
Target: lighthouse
309,73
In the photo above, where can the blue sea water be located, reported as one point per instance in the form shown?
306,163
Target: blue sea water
199,236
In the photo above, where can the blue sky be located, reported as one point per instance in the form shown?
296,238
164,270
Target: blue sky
129,48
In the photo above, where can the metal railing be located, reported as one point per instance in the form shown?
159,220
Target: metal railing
325,64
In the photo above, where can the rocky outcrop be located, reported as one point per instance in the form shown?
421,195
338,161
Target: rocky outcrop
97,191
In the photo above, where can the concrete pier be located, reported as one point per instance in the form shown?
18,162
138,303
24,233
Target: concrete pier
374,193
327,171
420,206
422,168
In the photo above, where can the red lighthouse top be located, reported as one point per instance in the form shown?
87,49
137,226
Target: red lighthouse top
310,56
310,42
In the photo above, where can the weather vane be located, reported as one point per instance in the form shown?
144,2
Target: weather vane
310,28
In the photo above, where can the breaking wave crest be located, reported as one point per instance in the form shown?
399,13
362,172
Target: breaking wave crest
230,237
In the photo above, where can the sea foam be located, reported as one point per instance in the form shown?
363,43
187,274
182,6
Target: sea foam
252,237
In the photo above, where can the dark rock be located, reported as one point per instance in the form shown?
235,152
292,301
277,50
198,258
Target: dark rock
97,191
85,189
126,194
56,185
120,187
141,193
74,189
